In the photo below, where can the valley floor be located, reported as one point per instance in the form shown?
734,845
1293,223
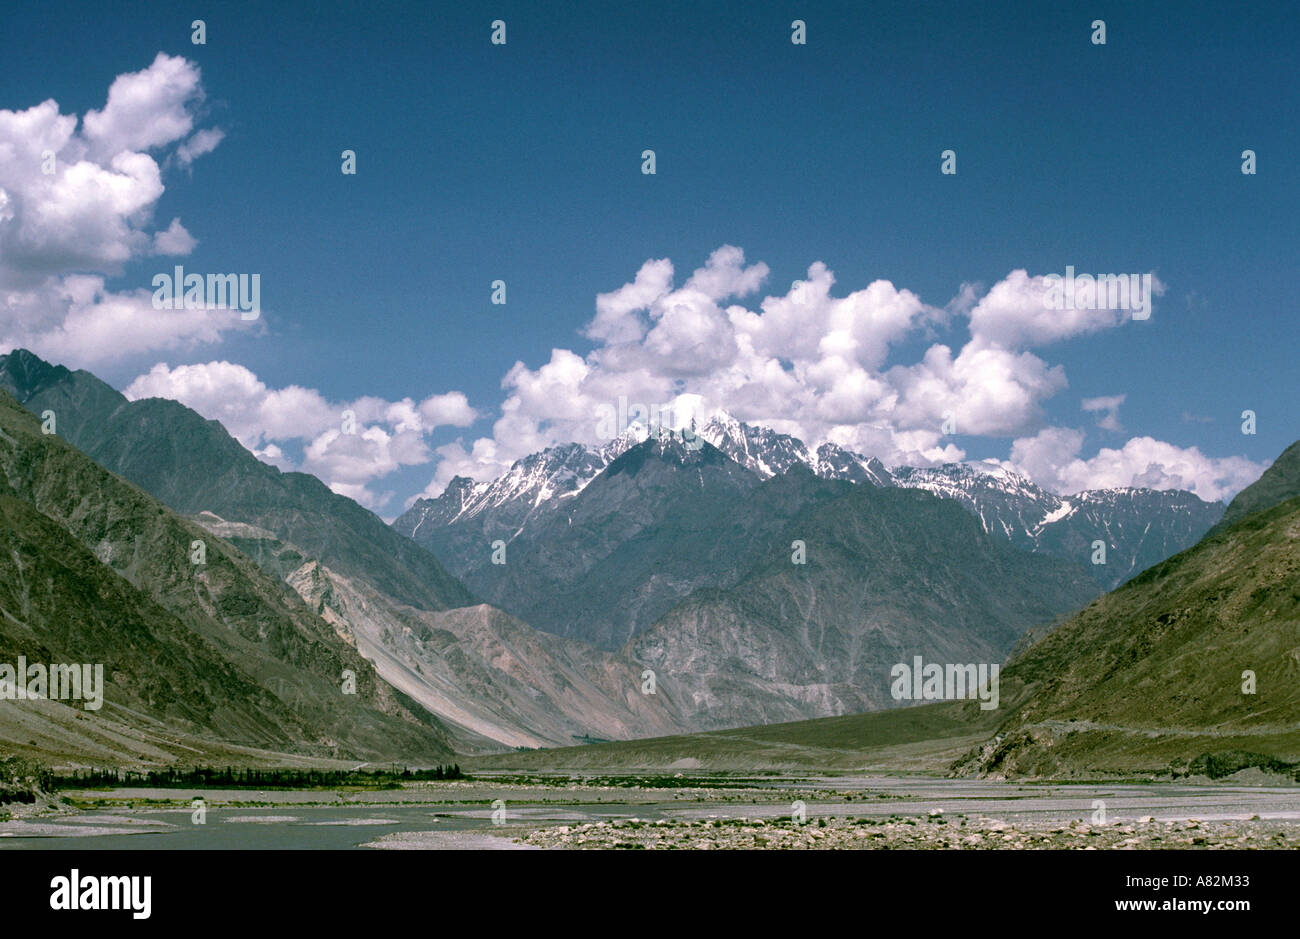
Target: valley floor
694,812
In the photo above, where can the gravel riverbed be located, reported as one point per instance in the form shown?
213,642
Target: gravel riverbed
913,833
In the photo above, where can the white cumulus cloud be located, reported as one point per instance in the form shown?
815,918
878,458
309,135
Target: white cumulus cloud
348,444
1052,458
75,206
823,367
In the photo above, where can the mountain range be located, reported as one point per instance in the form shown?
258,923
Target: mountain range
483,676
192,465
591,588
1188,670
202,652
1196,656
886,574
753,579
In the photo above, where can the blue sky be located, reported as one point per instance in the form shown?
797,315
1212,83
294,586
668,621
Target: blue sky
522,162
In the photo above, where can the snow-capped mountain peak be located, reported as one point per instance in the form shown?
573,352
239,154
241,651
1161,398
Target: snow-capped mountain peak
1007,504
759,449
635,433
770,453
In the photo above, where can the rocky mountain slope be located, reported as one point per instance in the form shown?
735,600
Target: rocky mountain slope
1188,670
194,465
96,571
659,553
1281,481
1139,527
1197,655
889,574
530,502
657,522
1189,666
490,678
494,680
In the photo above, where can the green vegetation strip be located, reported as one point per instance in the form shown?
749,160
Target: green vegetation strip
229,778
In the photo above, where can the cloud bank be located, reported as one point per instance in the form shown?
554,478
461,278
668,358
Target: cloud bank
77,203
349,444
78,200
805,362
818,366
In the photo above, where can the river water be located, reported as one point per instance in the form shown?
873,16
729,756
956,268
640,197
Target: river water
366,819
